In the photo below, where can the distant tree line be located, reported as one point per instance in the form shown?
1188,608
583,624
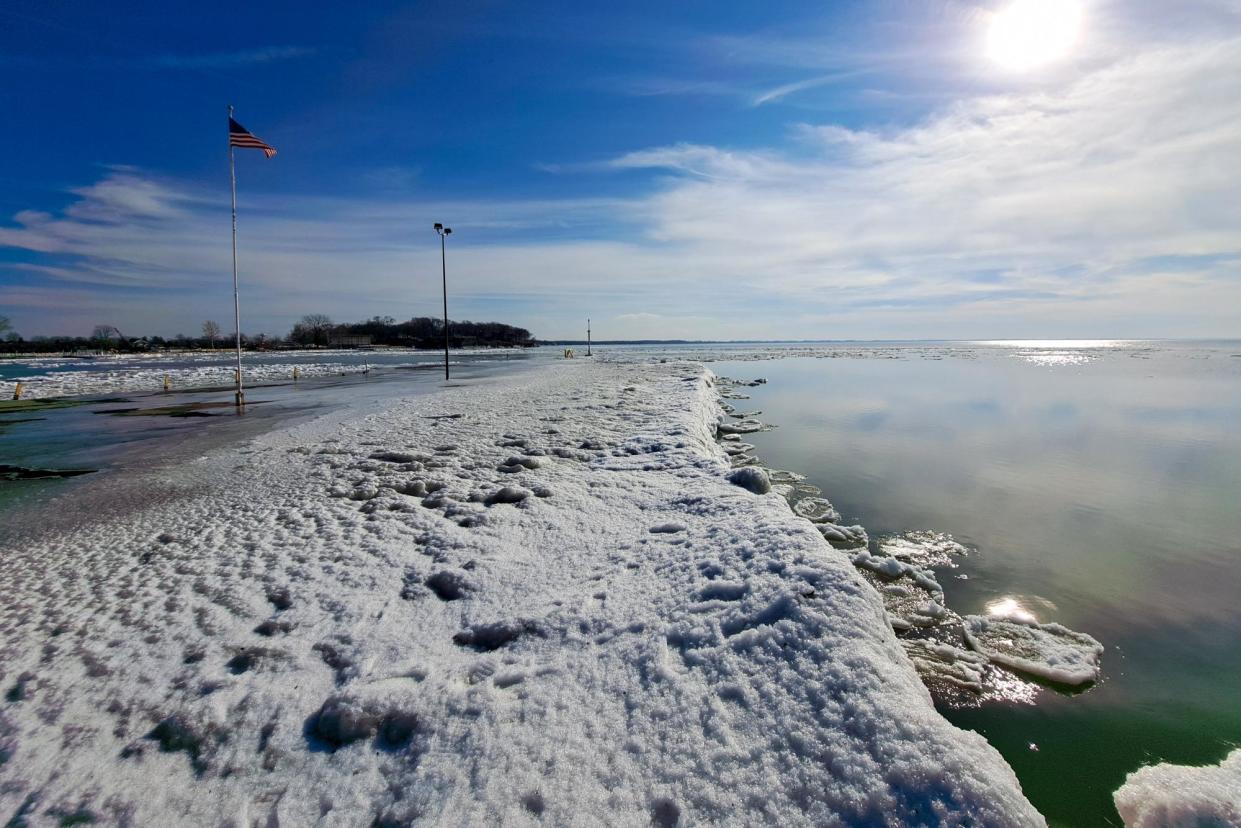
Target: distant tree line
419,332
311,330
106,338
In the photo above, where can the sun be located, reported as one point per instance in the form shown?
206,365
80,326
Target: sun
1027,34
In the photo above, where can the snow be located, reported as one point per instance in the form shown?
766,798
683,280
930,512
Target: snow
751,479
1177,796
1049,651
125,373
377,616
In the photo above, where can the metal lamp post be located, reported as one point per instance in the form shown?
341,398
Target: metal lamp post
444,232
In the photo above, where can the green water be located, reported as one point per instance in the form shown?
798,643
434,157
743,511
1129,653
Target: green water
1099,487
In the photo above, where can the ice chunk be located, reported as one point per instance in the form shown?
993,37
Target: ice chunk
892,568
843,537
922,547
941,663
816,509
907,602
740,427
752,479
1048,651
1175,795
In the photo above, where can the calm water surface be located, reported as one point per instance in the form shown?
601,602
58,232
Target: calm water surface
1099,486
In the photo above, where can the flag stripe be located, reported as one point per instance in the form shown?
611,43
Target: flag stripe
239,136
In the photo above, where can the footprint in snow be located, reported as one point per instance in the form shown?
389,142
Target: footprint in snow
493,635
667,528
517,464
506,494
449,585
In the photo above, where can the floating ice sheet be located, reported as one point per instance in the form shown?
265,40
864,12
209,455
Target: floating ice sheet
937,661
923,547
1048,651
1176,795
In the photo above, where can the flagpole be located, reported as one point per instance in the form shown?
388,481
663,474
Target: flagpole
232,174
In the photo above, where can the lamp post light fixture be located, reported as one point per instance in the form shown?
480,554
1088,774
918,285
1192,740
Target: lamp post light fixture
444,232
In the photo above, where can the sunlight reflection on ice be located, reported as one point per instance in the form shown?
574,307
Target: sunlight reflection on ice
1055,353
1009,607
1055,359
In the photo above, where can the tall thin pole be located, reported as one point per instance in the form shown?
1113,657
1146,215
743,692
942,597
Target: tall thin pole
588,336
232,175
444,273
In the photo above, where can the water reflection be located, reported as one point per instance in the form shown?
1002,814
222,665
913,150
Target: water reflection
1009,607
1099,493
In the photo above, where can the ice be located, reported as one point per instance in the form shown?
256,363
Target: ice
121,373
843,537
1047,651
893,568
301,630
1172,796
739,427
752,479
817,509
923,547
943,663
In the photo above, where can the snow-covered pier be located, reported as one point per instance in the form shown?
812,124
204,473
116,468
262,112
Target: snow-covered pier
529,599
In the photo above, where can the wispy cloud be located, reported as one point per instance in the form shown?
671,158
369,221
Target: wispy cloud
228,60
800,86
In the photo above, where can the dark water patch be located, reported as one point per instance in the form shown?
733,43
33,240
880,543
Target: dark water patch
23,473
192,409
48,404
5,425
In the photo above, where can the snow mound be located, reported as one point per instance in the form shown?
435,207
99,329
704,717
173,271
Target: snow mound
751,479
315,637
1048,651
1180,796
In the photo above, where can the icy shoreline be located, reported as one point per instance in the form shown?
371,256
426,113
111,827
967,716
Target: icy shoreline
46,377
534,598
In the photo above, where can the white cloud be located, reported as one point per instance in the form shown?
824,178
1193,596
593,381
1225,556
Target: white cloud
1104,205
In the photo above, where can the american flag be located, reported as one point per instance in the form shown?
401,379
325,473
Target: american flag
239,136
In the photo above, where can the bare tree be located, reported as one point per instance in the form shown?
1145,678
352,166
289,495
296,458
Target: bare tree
313,329
5,325
105,333
211,330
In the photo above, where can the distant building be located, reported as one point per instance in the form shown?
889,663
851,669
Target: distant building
347,340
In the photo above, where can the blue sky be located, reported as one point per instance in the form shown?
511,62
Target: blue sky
699,170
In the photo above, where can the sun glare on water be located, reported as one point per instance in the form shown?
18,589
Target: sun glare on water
1027,34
